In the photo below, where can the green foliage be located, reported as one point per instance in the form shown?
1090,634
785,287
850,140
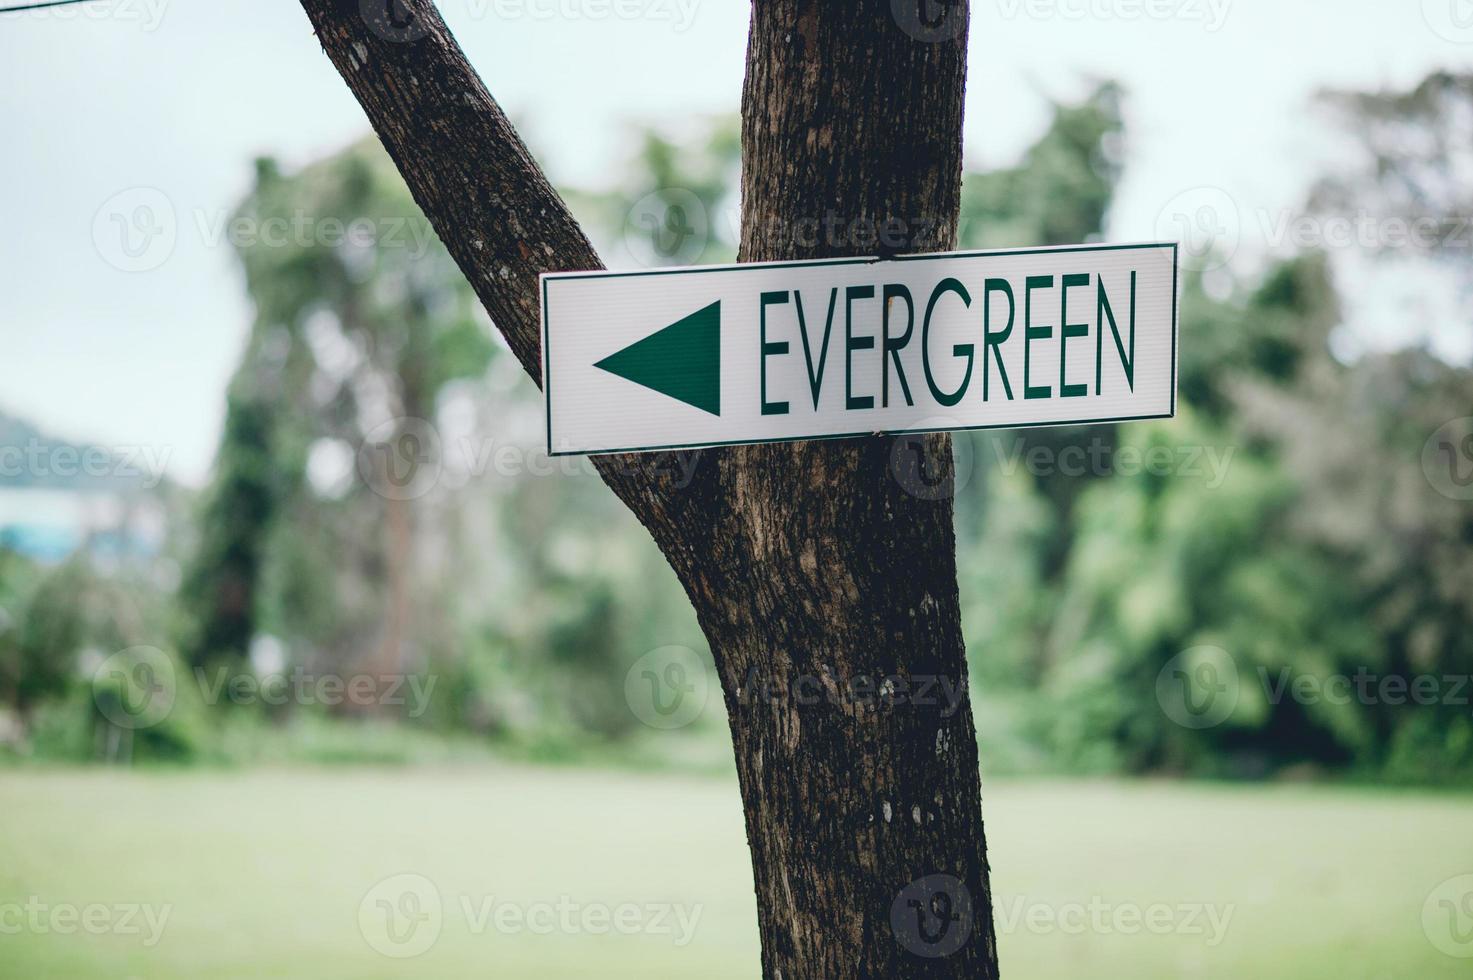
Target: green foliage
64,635
1317,552
674,176
143,707
236,522
526,593
1407,161
1282,519
48,636
18,579
1060,191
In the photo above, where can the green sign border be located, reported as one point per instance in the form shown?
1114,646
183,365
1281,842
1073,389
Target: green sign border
864,260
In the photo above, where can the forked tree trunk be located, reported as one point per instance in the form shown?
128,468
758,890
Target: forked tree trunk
823,573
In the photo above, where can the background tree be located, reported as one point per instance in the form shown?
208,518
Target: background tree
353,339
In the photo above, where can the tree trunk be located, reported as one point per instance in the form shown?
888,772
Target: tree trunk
823,573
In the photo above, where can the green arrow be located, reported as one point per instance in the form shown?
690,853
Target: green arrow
682,361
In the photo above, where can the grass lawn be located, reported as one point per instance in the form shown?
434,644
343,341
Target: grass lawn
263,873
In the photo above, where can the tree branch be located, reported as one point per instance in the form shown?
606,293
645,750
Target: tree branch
490,203
488,200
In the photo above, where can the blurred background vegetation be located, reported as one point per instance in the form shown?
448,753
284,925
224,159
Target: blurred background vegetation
381,508
1296,529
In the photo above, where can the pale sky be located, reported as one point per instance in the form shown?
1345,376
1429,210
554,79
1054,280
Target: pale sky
169,100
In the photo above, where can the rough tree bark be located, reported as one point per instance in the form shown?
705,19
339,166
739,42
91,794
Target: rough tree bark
823,573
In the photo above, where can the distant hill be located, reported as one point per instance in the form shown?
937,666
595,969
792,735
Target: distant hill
31,458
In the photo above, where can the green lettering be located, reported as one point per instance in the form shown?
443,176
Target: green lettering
1032,333
770,349
1067,330
945,286
852,344
1103,311
993,341
891,351
815,379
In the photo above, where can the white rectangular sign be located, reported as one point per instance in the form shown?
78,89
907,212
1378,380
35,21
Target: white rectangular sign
769,352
